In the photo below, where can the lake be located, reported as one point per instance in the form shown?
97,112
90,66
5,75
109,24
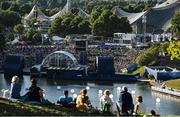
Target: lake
168,105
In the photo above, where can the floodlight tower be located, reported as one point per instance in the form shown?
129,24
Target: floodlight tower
144,21
68,5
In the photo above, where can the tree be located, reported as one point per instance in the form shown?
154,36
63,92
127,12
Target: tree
149,57
108,23
9,18
25,8
84,27
31,22
24,37
74,25
66,25
97,28
29,34
37,37
56,27
2,42
19,29
174,50
176,25
96,12
11,37
5,5
164,47
70,24
14,7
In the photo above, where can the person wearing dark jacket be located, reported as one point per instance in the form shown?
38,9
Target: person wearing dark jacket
126,102
35,92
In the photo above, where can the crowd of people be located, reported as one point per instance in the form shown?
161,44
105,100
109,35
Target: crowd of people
124,106
122,56
30,52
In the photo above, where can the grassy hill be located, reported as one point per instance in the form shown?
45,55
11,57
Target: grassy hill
175,84
15,108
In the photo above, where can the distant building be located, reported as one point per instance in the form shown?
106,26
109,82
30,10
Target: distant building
44,22
129,40
78,42
155,20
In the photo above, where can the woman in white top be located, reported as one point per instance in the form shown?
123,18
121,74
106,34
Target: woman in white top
15,88
105,100
139,108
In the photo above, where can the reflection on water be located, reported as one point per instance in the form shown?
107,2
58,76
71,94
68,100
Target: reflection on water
54,88
165,96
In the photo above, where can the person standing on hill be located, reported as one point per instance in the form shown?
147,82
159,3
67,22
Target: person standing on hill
126,102
139,107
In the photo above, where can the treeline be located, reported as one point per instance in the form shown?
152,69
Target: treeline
101,23
24,6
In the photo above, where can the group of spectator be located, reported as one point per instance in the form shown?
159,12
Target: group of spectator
122,56
30,52
124,106
33,95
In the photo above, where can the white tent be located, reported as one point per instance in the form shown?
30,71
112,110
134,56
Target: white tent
57,39
36,13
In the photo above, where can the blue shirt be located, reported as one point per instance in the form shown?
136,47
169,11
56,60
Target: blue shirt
65,100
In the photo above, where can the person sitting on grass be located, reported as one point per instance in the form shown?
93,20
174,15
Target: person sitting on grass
139,108
15,88
106,102
35,95
35,92
82,102
66,100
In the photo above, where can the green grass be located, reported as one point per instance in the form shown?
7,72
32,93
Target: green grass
139,70
175,84
11,108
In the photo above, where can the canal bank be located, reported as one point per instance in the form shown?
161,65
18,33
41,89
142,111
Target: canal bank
15,108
